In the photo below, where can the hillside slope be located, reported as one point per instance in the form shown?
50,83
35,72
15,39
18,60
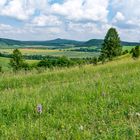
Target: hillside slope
89,102
58,43
99,42
55,42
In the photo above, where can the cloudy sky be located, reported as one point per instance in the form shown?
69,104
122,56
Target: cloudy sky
71,19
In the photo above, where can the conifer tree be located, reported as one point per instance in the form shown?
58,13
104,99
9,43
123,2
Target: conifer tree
112,45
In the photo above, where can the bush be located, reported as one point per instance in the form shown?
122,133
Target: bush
45,63
26,66
94,60
124,52
136,52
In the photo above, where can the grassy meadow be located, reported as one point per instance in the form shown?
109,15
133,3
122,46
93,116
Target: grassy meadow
88,102
4,62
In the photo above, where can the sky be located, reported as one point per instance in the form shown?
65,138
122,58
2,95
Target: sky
69,19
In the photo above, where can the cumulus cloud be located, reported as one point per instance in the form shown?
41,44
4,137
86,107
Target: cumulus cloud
44,20
82,10
130,11
119,17
17,9
75,19
22,9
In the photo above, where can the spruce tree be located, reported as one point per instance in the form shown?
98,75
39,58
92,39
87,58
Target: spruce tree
112,45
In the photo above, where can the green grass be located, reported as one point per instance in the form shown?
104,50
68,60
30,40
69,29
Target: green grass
4,62
128,48
86,102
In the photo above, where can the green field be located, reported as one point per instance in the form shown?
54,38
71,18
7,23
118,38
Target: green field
52,52
128,48
4,62
59,52
89,102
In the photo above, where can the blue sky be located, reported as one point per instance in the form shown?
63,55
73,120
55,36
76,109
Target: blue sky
71,19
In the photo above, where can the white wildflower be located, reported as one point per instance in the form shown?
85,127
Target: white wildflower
39,108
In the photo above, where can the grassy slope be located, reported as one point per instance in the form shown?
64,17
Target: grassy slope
78,103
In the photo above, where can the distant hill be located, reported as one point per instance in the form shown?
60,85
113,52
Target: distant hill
99,42
55,42
93,42
4,41
60,42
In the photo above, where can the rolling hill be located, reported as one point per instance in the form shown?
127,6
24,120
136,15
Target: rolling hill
99,42
59,42
55,42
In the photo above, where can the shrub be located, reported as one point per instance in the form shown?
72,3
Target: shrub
94,60
136,52
124,52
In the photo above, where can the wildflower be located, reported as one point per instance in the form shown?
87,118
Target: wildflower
39,108
81,127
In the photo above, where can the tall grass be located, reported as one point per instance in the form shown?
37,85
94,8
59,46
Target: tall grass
86,102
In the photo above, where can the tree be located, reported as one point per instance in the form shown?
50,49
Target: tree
94,60
111,46
16,61
136,52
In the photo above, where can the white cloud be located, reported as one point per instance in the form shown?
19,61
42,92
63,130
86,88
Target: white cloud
128,10
83,10
22,9
75,19
44,20
119,17
18,9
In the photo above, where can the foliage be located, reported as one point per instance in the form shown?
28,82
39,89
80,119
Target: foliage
136,52
58,62
16,61
125,52
112,45
94,60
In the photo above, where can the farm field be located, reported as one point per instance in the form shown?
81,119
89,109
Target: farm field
88,102
53,52
59,52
